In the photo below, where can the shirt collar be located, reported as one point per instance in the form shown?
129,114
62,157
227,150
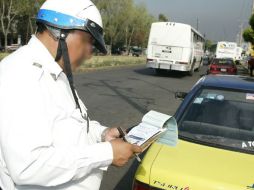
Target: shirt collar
42,56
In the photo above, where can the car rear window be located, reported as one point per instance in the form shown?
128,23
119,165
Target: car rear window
221,117
223,62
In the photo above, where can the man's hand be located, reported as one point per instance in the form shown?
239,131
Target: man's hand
110,134
123,151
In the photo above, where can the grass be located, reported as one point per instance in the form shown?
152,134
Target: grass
3,55
111,61
103,61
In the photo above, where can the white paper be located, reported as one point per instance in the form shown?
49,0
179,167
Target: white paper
155,118
153,123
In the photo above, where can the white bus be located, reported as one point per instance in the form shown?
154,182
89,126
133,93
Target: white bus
226,50
174,46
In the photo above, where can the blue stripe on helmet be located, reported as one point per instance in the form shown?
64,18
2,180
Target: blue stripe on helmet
59,19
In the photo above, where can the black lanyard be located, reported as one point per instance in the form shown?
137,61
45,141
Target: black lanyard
62,50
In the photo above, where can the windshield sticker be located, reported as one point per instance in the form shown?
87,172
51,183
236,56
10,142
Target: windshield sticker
211,96
249,96
220,97
198,100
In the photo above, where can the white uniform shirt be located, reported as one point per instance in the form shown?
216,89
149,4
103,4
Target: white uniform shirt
44,144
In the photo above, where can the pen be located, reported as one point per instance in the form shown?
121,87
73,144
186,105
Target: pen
122,135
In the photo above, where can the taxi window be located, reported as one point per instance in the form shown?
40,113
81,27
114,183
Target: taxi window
220,117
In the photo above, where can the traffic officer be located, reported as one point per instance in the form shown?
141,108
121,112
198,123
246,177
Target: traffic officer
47,140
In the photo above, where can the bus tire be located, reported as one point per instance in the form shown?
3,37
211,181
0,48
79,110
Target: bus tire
191,72
200,65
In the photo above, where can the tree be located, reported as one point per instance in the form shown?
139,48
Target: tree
251,22
7,16
26,20
114,15
137,27
208,44
125,24
163,18
248,34
10,10
143,25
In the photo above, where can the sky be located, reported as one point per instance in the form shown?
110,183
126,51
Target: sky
218,19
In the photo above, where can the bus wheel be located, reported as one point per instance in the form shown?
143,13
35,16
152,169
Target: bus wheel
191,72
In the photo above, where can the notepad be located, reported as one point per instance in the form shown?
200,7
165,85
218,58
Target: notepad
155,126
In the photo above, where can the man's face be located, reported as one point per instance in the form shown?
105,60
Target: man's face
80,47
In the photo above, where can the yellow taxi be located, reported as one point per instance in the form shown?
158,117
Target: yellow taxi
216,140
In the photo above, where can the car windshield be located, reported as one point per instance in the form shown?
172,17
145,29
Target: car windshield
220,117
223,62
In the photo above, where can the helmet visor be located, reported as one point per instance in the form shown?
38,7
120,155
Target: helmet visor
97,32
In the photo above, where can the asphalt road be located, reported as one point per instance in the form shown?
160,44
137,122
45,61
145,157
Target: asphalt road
121,96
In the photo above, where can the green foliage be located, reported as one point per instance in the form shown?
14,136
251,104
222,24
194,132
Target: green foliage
248,34
251,21
125,23
3,55
208,44
111,61
18,15
163,18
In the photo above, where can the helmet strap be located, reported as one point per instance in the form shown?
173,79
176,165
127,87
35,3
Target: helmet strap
54,32
62,51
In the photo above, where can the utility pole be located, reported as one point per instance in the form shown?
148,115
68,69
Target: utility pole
252,10
241,34
237,38
198,21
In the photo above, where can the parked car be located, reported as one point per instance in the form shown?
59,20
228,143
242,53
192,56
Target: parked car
216,140
119,50
135,51
222,66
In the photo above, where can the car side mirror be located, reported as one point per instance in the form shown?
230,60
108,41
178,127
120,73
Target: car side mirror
180,95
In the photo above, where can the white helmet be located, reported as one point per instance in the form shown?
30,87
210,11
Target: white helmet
64,15
74,14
